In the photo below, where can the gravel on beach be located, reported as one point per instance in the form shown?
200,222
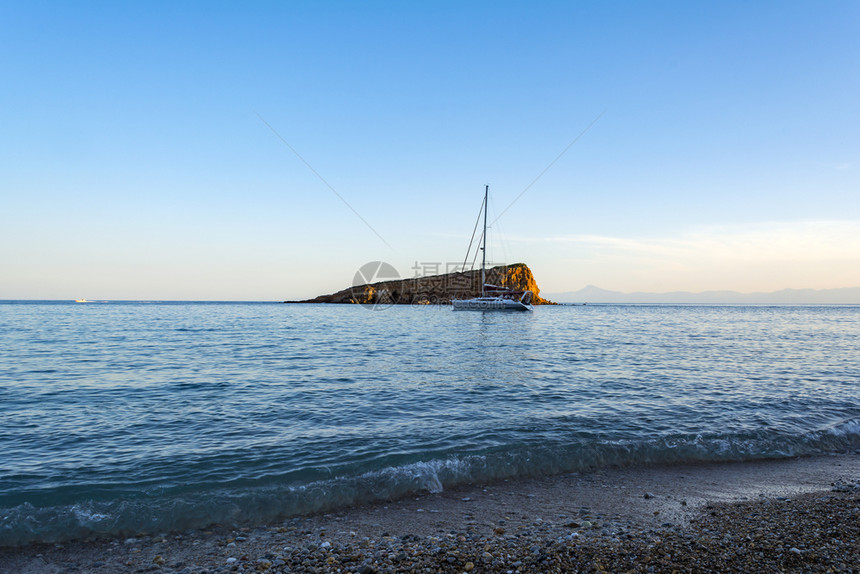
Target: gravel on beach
812,531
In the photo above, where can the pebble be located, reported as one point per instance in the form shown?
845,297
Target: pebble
817,533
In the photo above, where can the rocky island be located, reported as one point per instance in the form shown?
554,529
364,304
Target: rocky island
436,289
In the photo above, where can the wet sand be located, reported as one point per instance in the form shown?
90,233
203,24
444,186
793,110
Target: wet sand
784,515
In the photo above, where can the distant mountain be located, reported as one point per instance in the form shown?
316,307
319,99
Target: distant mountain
592,294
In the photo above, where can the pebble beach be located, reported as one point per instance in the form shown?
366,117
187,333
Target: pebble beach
791,515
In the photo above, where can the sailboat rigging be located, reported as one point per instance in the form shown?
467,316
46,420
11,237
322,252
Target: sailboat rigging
493,297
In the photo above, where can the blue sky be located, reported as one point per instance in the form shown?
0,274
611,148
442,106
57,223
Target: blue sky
134,163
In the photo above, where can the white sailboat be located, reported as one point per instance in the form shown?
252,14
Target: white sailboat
493,297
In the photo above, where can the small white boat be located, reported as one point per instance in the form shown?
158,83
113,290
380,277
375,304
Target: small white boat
81,301
495,303
493,297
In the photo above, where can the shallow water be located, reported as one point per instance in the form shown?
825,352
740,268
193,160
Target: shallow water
128,417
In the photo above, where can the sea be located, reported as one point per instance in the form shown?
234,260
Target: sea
121,418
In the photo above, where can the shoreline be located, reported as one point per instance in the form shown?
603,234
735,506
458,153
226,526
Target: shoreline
544,524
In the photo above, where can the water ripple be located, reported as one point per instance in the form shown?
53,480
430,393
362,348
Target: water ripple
126,416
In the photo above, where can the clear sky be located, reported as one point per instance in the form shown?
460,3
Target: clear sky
136,161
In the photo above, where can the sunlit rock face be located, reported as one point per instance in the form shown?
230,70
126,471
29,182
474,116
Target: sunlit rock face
437,289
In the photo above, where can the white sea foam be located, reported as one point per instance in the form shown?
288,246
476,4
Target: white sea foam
86,515
846,429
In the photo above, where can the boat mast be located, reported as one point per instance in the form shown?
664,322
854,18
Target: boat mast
484,248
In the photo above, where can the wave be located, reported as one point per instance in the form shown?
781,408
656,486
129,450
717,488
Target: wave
153,513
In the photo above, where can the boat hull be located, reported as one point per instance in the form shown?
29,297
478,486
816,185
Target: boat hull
489,304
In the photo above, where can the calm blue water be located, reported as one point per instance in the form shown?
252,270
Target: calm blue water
127,417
